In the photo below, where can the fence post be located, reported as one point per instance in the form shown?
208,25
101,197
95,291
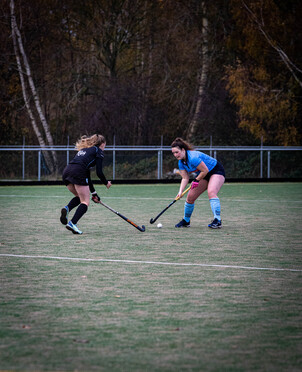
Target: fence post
23,159
261,159
161,156
39,165
113,159
158,164
67,152
210,145
268,164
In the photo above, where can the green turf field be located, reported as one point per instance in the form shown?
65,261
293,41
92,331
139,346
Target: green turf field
116,299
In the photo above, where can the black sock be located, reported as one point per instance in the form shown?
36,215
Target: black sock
73,203
81,210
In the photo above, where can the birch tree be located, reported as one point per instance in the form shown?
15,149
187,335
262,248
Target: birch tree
28,85
202,76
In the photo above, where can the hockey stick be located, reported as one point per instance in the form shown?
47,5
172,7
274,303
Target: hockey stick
174,201
142,229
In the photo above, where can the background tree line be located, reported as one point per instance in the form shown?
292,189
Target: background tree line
142,69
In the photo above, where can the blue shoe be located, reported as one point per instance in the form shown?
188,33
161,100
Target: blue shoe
73,228
64,215
183,223
215,224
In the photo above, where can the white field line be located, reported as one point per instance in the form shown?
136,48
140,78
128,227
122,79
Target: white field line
155,198
149,262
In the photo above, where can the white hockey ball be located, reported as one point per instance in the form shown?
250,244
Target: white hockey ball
159,225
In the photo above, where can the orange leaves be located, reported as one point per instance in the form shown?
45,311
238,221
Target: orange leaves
262,110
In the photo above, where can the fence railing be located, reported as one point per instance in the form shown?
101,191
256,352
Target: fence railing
158,151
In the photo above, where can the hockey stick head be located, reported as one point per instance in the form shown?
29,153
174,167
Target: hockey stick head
142,229
174,201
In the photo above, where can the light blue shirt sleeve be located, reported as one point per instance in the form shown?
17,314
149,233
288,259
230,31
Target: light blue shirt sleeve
194,158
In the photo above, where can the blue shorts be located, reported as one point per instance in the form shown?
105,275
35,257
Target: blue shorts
218,169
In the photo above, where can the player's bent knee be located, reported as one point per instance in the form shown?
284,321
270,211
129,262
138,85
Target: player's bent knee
190,200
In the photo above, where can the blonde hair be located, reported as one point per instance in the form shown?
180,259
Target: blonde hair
182,144
85,141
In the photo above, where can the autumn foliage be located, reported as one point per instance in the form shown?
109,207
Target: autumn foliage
136,70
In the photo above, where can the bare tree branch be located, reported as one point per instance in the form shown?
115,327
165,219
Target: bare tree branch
289,64
18,42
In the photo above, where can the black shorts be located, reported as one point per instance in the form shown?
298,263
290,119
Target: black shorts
218,169
75,174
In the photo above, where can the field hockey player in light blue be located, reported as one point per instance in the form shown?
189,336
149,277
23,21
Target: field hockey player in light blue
210,176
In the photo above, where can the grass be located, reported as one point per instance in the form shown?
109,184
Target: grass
140,304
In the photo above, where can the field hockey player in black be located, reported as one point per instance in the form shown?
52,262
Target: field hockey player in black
76,177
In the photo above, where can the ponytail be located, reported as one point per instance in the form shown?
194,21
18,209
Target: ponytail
94,140
182,144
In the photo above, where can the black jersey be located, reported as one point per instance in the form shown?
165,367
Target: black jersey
90,157
87,157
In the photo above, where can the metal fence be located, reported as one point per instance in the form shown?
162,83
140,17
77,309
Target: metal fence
155,162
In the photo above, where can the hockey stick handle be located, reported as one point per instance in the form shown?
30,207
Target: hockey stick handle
184,192
142,229
174,201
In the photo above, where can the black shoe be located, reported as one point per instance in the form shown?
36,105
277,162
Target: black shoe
183,223
64,216
215,224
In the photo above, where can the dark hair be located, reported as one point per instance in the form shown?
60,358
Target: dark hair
182,144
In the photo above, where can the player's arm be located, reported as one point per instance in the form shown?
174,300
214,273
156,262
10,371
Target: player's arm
184,181
203,172
99,171
100,174
94,195
91,187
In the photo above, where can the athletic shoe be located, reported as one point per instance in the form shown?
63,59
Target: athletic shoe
215,224
72,227
183,223
64,215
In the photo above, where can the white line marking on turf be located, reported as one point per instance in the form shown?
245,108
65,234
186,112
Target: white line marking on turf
156,198
150,262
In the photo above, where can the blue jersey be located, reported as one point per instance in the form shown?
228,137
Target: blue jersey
193,159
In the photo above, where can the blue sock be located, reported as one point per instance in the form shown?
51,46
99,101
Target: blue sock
188,211
215,206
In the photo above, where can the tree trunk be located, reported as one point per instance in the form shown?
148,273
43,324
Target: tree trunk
202,80
144,64
17,40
